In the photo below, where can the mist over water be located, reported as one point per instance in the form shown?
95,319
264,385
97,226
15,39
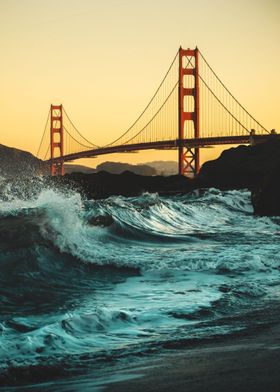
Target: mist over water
164,272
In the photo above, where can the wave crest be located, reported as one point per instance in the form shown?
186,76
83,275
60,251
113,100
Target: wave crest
204,230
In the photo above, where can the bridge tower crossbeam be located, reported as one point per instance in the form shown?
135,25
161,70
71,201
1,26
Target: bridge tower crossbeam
188,158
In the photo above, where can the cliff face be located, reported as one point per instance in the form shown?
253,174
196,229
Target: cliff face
18,163
256,168
266,197
241,167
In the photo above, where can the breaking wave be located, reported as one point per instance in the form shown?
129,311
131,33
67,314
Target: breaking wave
83,280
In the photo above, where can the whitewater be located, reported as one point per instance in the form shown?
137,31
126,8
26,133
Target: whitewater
79,294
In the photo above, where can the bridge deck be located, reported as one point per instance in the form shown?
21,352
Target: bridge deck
166,144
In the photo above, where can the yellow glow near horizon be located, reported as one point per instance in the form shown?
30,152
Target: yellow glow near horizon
104,59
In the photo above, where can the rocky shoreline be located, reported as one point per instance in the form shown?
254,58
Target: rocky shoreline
244,167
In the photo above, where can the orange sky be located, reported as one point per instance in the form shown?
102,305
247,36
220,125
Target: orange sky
104,59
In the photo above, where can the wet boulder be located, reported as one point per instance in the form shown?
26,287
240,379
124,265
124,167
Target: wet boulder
266,196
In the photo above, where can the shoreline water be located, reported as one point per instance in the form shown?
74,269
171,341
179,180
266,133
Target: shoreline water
249,363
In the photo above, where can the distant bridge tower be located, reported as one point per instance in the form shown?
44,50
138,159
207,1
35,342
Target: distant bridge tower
57,139
188,120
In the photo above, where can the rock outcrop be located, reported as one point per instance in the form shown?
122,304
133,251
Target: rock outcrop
18,163
241,167
254,167
266,196
103,184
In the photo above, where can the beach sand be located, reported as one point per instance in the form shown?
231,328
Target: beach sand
247,363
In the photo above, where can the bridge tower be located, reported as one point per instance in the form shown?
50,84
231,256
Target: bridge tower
57,139
188,120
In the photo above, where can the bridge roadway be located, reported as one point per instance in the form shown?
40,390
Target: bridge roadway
167,144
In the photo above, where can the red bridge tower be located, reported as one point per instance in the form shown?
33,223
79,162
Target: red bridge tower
188,120
57,139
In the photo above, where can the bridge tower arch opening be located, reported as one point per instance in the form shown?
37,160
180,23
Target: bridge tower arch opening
57,141
188,110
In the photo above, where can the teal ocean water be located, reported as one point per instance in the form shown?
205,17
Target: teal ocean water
76,297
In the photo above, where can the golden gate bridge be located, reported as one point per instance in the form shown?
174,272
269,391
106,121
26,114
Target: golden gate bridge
191,109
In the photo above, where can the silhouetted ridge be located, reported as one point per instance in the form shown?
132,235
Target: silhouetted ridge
15,162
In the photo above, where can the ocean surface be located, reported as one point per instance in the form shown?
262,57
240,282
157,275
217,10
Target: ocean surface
79,297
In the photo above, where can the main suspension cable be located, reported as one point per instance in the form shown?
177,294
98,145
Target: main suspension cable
89,142
215,96
232,94
42,138
149,103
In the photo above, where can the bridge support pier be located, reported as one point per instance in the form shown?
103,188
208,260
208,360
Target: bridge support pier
188,110
57,169
188,161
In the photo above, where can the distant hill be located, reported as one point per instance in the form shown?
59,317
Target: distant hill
15,162
160,168
164,168
119,167
72,168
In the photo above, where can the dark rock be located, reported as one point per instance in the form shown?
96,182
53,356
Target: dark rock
101,185
241,167
254,167
266,197
18,163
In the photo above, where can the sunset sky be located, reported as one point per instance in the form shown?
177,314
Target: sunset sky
103,60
